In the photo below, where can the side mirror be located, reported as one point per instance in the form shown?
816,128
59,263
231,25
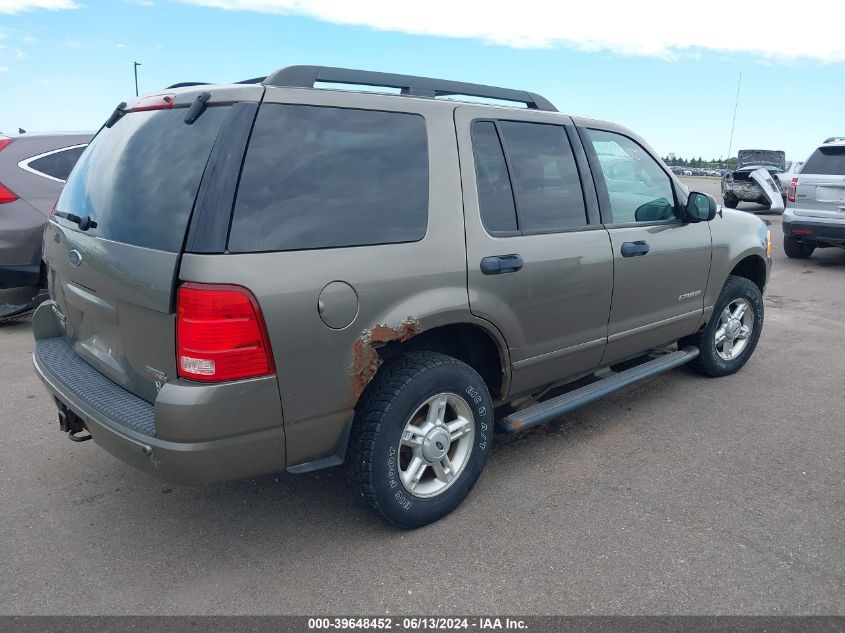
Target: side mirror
700,207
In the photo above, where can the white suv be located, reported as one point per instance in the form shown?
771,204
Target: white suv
815,211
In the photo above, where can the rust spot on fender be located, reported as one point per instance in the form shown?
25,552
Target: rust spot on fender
365,358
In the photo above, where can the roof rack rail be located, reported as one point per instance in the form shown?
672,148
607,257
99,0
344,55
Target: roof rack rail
307,76
185,84
834,139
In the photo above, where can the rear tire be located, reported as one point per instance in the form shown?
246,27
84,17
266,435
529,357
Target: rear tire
731,201
421,436
795,250
731,334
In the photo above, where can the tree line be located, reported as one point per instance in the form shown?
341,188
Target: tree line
714,163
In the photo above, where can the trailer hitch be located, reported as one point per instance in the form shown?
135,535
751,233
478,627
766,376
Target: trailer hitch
72,424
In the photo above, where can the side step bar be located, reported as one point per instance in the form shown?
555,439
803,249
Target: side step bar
547,411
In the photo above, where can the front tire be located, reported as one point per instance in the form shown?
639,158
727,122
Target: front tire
421,436
795,250
731,334
731,201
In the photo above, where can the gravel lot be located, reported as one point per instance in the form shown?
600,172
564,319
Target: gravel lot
682,495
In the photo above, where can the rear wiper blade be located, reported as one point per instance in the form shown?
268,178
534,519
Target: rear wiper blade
84,222
118,112
197,107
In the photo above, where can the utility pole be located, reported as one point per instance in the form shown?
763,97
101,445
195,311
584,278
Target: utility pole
136,78
733,123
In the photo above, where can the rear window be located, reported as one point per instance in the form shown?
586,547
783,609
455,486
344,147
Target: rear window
321,177
138,179
826,160
57,164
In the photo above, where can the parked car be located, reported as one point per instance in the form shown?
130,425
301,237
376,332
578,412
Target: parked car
758,177
815,212
288,277
33,169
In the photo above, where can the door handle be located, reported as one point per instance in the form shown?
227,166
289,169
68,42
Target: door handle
634,249
499,264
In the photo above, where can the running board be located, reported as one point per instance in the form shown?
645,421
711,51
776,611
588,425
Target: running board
547,411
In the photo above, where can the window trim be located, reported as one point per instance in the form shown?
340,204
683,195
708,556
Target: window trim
24,164
599,179
588,224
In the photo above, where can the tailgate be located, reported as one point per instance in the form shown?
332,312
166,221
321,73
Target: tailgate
113,284
821,185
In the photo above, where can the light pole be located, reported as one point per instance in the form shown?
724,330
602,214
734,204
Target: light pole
136,76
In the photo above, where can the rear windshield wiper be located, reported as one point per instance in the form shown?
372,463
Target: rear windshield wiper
197,107
118,112
84,222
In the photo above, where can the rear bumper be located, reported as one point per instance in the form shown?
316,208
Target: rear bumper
125,425
805,229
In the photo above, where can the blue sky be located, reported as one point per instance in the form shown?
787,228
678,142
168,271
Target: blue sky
673,82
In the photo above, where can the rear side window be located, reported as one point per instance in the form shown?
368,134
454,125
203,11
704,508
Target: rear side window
495,196
138,179
545,177
826,160
322,177
58,164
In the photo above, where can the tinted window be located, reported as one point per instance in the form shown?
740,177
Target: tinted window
58,164
639,189
545,177
491,174
826,160
317,177
138,179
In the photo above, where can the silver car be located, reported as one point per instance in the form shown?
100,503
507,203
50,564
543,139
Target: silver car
815,213
33,170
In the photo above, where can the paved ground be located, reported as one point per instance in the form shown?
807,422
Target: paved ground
683,495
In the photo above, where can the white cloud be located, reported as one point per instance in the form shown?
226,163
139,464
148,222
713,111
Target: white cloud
4,69
121,45
17,6
29,40
655,28
72,43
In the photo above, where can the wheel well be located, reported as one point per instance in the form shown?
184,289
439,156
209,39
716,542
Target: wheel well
753,268
468,343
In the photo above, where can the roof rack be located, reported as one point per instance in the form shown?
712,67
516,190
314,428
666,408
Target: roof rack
185,84
834,139
307,76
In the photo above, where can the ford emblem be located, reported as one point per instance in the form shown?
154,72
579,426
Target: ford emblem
74,257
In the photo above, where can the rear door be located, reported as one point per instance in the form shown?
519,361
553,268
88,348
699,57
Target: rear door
113,283
539,264
661,263
821,184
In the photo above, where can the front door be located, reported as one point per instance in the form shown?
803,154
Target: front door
661,263
539,263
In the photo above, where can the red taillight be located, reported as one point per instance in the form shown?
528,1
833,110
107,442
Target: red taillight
800,231
6,194
220,334
790,193
154,102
